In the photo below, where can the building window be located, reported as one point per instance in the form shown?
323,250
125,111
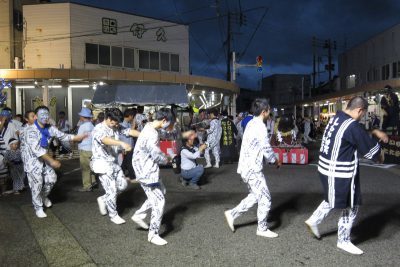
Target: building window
129,58
351,81
165,66
116,56
154,60
369,76
92,54
144,61
375,76
104,55
385,72
174,62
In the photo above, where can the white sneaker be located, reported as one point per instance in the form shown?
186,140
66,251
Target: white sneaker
229,219
102,206
71,155
40,213
216,165
139,221
47,202
117,220
207,166
350,248
267,233
157,240
313,229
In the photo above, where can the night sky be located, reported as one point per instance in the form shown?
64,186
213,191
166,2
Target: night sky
283,38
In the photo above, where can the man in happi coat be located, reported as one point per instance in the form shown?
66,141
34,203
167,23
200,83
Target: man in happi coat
344,140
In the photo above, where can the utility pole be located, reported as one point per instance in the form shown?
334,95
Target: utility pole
314,59
329,59
228,45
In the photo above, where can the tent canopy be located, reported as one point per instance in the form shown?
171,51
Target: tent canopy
129,94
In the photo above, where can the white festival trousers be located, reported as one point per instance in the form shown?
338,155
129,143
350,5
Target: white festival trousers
345,223
113,182
258,193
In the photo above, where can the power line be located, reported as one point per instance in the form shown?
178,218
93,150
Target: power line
254,33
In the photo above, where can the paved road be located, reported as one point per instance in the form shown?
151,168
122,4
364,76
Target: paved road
75,234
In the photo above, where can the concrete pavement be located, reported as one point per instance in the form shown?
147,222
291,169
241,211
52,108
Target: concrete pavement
75,234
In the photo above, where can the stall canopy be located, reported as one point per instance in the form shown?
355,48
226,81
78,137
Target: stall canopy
129,94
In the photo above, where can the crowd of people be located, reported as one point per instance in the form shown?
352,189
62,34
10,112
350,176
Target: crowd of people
120,147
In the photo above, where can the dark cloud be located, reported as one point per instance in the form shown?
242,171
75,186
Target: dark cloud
284,37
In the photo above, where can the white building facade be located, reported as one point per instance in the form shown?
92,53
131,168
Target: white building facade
377,59
75,36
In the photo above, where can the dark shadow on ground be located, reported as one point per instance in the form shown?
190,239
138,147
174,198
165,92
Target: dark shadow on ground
372,226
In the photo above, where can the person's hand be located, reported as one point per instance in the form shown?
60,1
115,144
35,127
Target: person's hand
126,147
55,164
169,158
203,147
278,163
382,136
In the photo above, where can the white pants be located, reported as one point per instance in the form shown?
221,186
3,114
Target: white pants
41,180
156,202
216,150
258,193
113,182
345,223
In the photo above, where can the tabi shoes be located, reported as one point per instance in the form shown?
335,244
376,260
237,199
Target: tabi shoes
229,219
267,233
47,203
102,206
216,165
117,220
157,240
40,213
350,248
139,221
208,166
313,228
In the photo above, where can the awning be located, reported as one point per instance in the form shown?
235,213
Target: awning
136,94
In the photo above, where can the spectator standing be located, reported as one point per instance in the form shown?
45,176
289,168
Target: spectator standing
85,149
13,159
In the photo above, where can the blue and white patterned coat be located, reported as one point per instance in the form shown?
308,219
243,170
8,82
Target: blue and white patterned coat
147,156
255,147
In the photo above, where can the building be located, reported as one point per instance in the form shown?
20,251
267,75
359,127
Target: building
70,49
284,90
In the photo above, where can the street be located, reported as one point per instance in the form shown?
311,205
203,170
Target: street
75,234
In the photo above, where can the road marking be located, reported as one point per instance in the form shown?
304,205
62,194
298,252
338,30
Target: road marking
57,244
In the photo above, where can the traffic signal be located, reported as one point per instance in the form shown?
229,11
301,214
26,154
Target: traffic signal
259,61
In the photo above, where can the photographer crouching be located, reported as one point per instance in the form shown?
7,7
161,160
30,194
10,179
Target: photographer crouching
190,170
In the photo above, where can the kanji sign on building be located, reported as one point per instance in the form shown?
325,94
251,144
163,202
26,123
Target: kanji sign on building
109,26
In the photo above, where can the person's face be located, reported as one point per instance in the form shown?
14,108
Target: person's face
359,113
265,114
14,146
43,116
112,124
191,138
31,118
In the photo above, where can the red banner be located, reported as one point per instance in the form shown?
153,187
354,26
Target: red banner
292,155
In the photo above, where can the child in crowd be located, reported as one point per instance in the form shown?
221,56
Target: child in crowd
12,158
